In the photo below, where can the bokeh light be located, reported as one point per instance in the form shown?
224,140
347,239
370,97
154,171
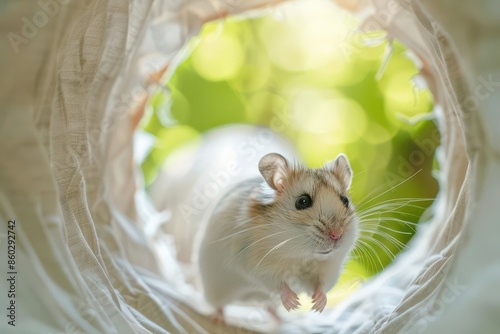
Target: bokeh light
340,119
210,62
319,27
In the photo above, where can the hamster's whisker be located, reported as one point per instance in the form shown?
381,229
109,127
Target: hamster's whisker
382,215
389,207
253,243
373,252
396,202
288,261
372,219
388,219
386,209
405,199
383,234
391,188
350,215
242,231
384,248
359,173
378,226
370,194
369,253
360,253
255,218
402,199
385,220
365,257
280,262
269,252
298,225
382,208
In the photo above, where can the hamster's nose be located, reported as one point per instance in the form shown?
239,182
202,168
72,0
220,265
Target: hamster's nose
335,235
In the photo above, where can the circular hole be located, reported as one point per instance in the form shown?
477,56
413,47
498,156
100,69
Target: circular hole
334,89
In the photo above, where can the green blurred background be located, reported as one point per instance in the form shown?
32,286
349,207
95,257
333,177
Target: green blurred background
337,90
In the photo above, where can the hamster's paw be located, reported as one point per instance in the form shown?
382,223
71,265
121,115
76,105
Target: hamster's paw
319,299
218,316
289,298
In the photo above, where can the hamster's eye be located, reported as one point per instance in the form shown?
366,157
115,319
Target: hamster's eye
345,201
303,202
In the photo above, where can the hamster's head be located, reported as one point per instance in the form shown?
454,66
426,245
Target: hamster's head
311,207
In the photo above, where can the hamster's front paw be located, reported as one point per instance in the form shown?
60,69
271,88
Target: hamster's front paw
289,298
319,299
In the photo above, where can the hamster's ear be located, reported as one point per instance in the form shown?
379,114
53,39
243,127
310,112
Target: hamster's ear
273,168
341,169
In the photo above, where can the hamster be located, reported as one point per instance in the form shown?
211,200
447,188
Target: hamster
275,236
